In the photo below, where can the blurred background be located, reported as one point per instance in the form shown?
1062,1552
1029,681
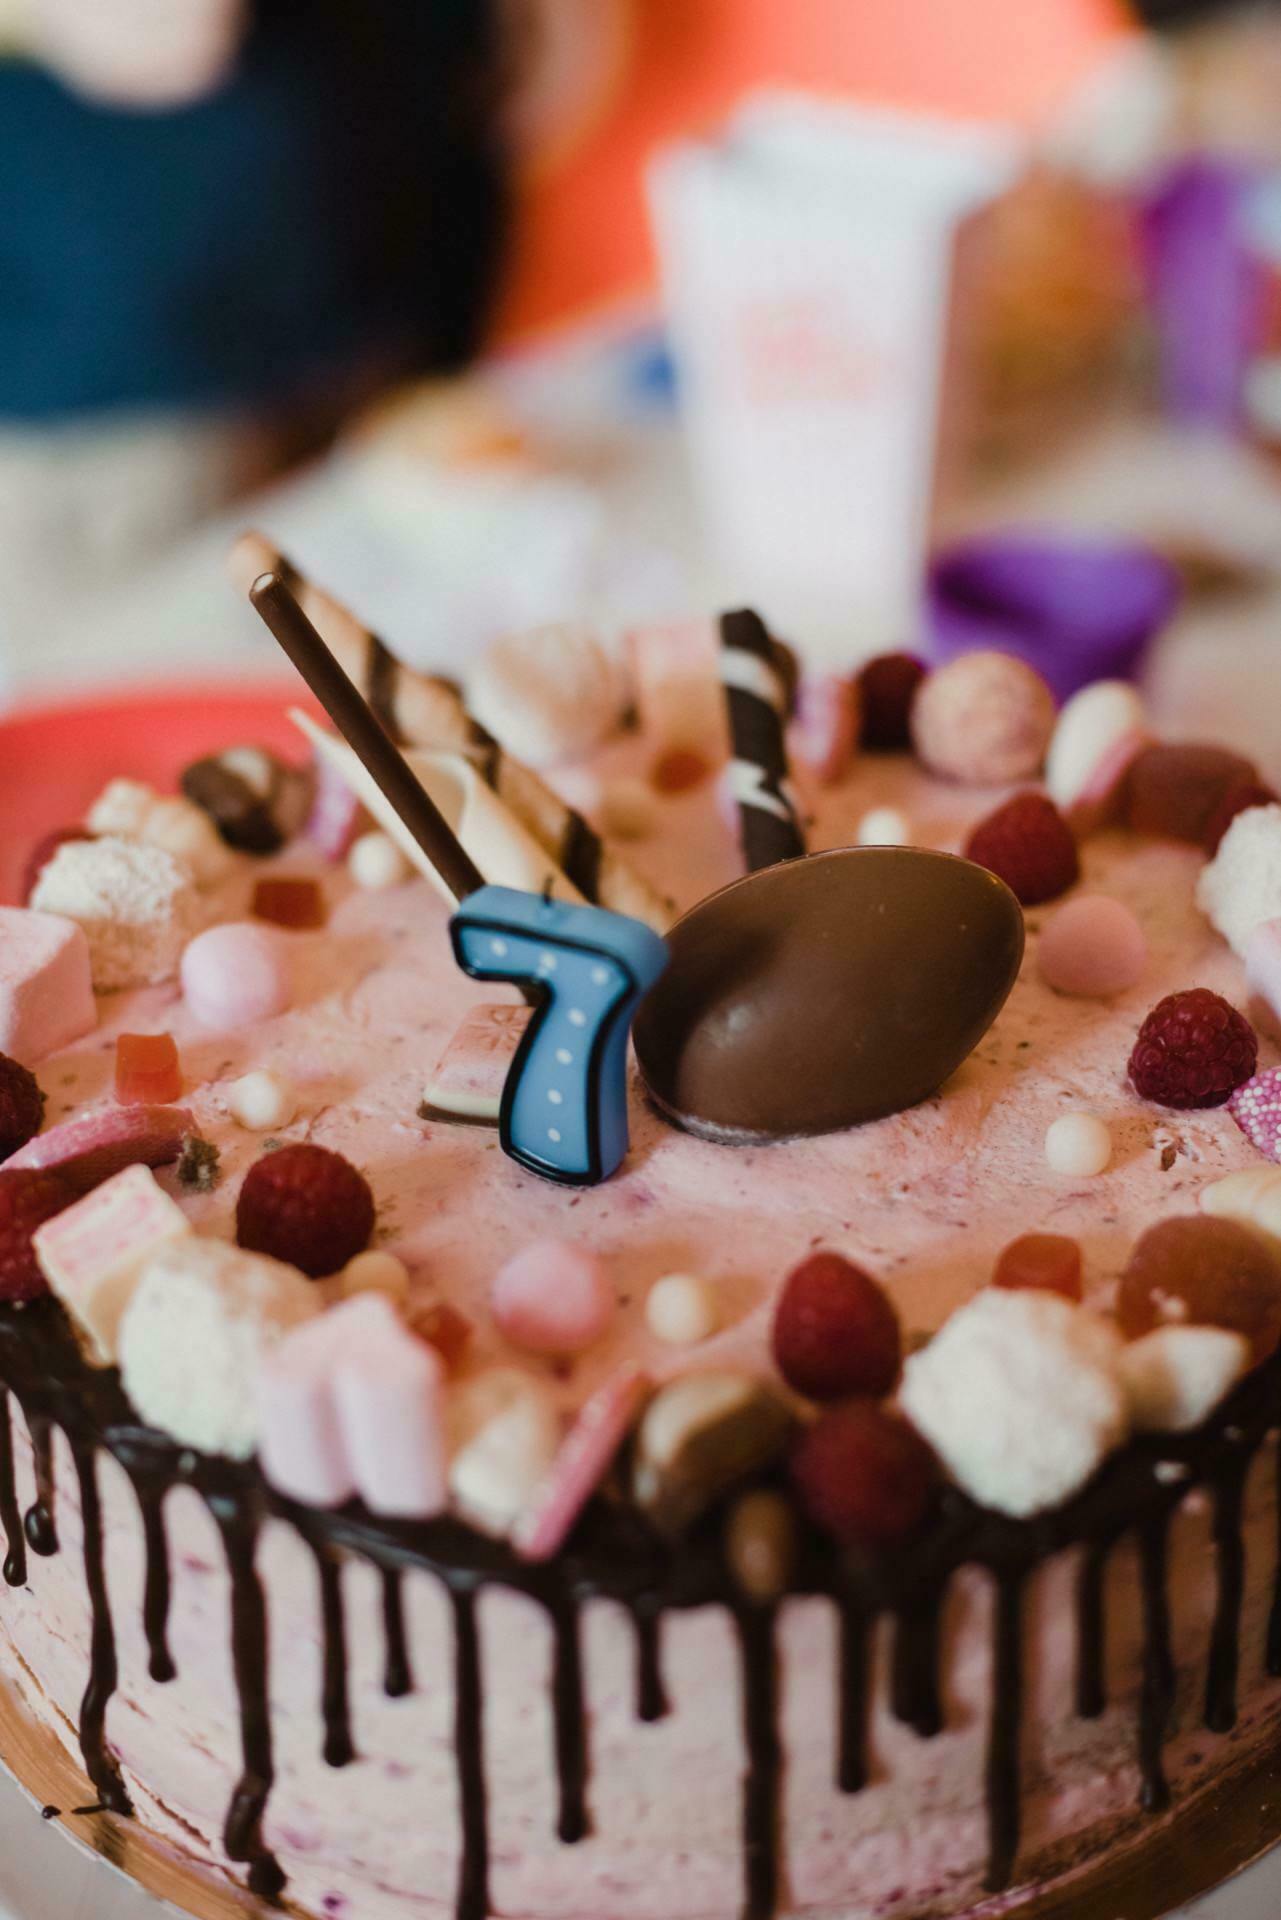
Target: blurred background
496,312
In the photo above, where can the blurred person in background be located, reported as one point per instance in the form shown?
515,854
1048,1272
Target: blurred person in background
222,222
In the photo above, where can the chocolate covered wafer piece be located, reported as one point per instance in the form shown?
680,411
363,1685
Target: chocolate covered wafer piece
423,710
256,802
757,697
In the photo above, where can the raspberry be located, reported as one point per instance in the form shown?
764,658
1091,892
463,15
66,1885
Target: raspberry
1197,1270
43,851
27,1199
864,1475
1193,1050
305,1205
887,687
1238,799
21,1106
1041,1263
1028,844
835,1331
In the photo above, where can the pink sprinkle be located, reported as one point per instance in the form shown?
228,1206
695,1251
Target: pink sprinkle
585,1457
553,1297
1256,1108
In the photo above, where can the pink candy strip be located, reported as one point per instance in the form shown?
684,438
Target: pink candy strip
89,1150
585,1457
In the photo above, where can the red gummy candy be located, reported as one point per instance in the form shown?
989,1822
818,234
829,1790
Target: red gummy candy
299,904
678,771
1196,1270
1041,1263
444,1328
1174,792
148,1071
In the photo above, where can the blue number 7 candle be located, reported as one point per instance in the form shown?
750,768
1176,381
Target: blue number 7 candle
564,1108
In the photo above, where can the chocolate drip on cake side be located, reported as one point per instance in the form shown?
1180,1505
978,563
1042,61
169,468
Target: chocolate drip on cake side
615,1556
238,1524
40,1524
339,1750
157,1585
398,1679
103,1673
15,1563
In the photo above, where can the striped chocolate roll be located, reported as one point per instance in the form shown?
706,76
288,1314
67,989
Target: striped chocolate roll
426,710
757,698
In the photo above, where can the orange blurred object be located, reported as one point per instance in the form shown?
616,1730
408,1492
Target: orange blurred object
669,67
299,904
148,1071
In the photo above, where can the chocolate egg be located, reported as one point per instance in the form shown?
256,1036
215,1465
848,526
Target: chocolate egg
826,992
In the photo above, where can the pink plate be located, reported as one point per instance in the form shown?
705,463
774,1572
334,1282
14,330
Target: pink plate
55,760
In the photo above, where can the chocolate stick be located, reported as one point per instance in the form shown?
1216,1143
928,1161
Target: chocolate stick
422,710
365,734
757,701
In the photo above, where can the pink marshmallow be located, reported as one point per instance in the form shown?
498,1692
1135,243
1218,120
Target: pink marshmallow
468,1083
824,735
1263,972
1092,947
585,1457
352,1402
300,1442
236,974
46,988
89,1150
553,1297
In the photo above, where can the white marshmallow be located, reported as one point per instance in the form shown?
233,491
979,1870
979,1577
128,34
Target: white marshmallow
376,863
884,827
376,1272
681,1310
1094,721
504,1433
1020,1396
136,903
203,1315
1253,1198
134,812
1175,1377
550,695
1078,1144
261,1100
93,1253
1240,889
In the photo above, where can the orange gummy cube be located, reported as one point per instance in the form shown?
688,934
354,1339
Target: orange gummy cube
290,903
148,1070
1041,1263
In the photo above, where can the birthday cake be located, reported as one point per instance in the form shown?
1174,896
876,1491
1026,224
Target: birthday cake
819,1462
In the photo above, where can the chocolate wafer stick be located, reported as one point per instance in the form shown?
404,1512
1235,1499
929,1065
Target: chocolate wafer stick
757,700
423,710
355,719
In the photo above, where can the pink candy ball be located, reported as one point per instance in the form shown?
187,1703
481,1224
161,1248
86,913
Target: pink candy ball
1092,947
236,974
553,1297
984,719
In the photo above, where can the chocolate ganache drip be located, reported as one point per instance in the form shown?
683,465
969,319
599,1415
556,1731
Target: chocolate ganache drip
616,1556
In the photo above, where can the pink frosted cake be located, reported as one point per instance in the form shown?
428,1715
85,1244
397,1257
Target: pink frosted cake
879,1522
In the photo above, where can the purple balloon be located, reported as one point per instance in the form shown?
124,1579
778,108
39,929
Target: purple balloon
1075,610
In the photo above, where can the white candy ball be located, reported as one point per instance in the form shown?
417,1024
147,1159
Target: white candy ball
885,827
262,1100
376,863
375,1272
681,1310
1078,1144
